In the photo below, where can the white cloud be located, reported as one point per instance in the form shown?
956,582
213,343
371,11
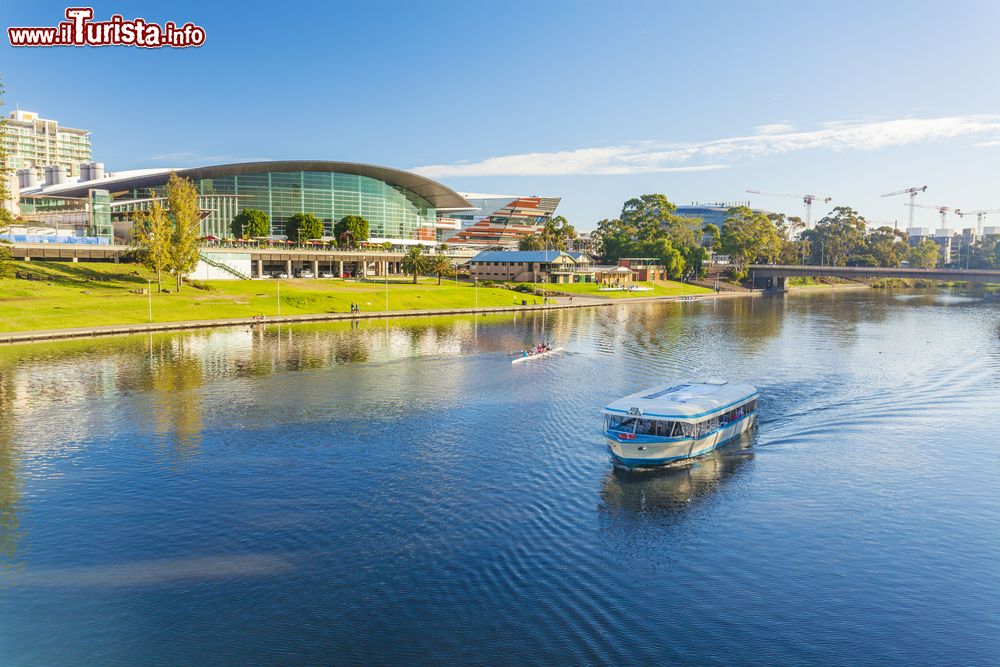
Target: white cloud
774,139
775,128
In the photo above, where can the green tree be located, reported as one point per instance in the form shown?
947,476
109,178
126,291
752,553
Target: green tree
415,262
252,222
557,233
352,229
749,237
984,254
837,236
304,227
530,242
714,236
152,233
653,215
441,266
6,217
924,255
887,245
182,202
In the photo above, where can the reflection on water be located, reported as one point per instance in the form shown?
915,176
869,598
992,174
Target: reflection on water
671,489
323,486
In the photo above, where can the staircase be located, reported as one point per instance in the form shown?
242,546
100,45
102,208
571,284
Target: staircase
222,266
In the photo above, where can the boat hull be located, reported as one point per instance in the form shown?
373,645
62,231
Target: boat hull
537,355
648,454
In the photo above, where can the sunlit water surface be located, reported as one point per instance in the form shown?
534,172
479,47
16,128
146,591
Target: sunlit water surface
399,493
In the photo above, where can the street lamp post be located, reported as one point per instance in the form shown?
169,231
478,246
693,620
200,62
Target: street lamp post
149,295
385,273
476,289
279,297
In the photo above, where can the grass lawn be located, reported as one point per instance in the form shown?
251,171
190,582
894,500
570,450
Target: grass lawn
660,288
70,295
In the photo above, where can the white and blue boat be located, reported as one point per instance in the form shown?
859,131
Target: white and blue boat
678,420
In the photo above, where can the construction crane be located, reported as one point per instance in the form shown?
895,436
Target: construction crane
806,199
979,217
943,210
913,192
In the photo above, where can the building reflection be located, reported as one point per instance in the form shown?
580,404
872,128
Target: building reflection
672,489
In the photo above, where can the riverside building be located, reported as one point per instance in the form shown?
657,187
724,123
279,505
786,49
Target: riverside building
34,143
401,207
499,221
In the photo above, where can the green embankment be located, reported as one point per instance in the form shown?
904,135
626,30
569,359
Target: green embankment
660,288
64,295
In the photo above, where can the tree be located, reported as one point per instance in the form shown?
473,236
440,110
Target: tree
530,242
984,254
441,266
887,246
152,232
714,235
304,226
924,255
837,236
182,202
749,237
351,228
416,262
251,222
6,217
557,233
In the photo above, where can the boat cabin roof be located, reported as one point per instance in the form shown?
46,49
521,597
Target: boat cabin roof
691,399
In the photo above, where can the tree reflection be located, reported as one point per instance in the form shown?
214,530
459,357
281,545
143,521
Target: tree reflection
10,482
175,375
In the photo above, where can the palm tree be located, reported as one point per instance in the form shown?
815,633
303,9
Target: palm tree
441,265
530,242
416,262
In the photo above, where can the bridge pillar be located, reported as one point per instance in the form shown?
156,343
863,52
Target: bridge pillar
316,268
260,268
340,268
288,267
75,259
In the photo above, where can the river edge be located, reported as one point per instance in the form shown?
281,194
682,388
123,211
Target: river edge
11,337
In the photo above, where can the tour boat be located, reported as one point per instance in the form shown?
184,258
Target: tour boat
677,420
536,355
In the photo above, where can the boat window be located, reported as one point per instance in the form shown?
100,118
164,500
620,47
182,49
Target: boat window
621,423
688,430
664,429
645,427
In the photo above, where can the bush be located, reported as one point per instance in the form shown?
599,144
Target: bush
197,284
487,283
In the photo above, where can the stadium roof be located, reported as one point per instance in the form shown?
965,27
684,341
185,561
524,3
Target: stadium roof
440,196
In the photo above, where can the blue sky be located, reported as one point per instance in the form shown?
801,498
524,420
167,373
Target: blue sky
591,101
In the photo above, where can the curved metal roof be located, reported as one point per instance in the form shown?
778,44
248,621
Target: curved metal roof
440,196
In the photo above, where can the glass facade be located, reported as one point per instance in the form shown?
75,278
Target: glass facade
100,214
392,211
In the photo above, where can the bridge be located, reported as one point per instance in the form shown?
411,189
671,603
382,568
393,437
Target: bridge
774,276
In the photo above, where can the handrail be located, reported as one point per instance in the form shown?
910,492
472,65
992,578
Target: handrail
222,266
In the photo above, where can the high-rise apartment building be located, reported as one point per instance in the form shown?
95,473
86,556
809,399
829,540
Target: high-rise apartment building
34,143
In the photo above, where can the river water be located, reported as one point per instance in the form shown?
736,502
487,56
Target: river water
396,492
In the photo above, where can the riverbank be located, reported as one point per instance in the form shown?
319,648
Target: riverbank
180,325
62,292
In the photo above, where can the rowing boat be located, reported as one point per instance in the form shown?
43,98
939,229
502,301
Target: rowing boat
536,355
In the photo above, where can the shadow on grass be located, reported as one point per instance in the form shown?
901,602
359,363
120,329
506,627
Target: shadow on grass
69,274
